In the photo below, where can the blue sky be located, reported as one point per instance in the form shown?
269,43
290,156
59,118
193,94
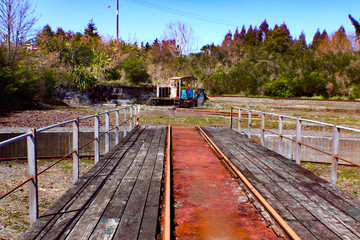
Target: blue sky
145,20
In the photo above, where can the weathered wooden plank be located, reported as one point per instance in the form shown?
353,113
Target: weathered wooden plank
129,226
323,216
116,206
149,224
62,228
85,225
334,197
74,194
274,161
331,209
327,226
299,228
319,230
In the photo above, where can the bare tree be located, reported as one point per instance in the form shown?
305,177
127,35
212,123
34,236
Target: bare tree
182,34
16,22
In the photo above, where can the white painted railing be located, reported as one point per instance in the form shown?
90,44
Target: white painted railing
299,143
32,148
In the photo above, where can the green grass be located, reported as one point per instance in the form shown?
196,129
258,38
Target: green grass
186,121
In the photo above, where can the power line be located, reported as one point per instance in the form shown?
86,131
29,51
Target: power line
183,13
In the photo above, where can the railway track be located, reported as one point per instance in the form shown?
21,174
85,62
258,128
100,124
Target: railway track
203,201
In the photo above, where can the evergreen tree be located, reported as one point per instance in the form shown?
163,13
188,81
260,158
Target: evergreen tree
300,44
264,29
316,40
356,25
324,36
91,30
250,38
279,39
227,40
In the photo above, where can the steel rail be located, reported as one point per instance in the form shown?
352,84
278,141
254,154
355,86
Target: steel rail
55,125
167,203
288,230
14,139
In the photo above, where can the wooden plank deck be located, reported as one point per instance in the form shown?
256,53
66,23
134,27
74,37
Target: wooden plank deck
309,204
117,199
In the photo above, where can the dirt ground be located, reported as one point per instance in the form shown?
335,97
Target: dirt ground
14,219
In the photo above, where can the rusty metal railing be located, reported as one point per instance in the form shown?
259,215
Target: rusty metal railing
298,136
75,153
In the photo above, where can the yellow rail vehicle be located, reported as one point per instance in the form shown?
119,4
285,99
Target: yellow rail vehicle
180,92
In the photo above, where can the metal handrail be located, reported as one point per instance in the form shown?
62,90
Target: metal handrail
335,143
32,158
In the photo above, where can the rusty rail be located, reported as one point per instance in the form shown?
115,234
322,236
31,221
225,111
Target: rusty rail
167,200
32,152
234,170
299,123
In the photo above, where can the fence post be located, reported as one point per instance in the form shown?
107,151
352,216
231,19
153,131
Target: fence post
117,127
231,117
76,153
138,115
135,114
280,134
97,138
239,120
107,131
125,125
262,138
131,117
298,140
249,124
32,171
334,162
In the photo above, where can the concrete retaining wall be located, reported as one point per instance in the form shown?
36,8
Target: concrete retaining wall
52,144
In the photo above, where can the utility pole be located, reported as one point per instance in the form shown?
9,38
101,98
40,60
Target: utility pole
117,21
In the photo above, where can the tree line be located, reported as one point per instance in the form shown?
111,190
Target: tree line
254,61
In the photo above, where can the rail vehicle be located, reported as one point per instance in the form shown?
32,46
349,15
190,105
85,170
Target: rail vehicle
179,92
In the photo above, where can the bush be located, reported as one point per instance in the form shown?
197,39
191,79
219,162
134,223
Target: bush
135,73
281,87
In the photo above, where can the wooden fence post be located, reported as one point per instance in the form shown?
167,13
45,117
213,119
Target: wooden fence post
76,153
97,138
298,140
32,171
334,162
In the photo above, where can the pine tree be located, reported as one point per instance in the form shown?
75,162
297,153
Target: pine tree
264,29
250,38
356,25
227,40
316,40
91,30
